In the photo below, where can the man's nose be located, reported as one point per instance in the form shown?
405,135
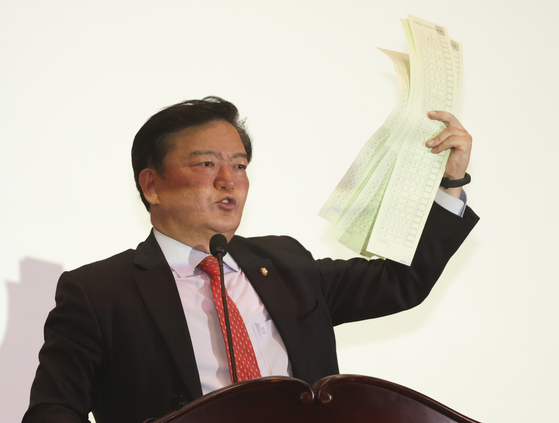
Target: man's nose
224,178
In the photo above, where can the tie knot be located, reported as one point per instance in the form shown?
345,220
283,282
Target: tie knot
209,265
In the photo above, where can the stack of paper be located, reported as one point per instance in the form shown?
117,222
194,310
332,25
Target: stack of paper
381,204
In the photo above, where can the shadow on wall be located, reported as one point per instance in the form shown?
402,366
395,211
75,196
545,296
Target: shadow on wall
29,302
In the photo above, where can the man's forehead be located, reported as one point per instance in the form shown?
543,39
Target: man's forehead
216,139
208,133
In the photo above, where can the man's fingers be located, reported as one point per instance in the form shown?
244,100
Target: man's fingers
448,138
447,118
454,138
452,142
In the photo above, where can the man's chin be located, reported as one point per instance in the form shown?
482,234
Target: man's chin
226,229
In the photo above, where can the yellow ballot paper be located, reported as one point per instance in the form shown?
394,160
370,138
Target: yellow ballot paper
380,206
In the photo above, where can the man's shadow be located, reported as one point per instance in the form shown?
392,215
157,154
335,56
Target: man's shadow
29,302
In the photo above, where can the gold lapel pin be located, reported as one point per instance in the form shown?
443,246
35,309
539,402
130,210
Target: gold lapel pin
264,271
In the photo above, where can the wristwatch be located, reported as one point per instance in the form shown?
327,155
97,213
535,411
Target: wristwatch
455,183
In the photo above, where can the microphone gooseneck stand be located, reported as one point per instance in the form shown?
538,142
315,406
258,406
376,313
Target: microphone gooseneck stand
218,249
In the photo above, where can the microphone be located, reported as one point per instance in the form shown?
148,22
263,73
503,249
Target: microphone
218,246
218,249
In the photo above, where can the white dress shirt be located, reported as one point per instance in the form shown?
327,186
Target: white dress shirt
203,324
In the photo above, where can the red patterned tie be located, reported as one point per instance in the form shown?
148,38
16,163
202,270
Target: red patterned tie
245,361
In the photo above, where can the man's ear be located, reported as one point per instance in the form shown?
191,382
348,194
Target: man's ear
147,183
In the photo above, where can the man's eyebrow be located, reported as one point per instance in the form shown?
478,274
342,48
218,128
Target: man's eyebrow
237,155
215,154
205,153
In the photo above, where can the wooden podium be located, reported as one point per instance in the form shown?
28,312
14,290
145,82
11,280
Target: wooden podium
341,398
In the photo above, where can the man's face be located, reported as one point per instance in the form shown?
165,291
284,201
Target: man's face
204,186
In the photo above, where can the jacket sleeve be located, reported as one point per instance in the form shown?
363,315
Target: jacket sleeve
359,289
70,359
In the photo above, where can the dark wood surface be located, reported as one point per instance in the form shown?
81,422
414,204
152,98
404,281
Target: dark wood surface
341,398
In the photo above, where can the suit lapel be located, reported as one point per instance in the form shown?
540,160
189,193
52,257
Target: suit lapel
267,283
158,289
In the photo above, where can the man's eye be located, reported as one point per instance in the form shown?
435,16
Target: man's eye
206,164
241,166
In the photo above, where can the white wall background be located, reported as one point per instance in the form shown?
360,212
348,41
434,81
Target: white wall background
78,78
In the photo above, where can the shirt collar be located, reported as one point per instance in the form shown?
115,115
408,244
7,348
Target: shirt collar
183,259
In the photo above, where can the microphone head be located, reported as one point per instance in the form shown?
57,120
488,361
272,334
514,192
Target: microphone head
218,245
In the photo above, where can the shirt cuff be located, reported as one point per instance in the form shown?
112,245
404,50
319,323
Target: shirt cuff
452,204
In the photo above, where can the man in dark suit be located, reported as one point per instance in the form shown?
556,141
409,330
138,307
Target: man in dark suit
136,336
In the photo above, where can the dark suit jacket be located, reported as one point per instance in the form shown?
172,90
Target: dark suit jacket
117,341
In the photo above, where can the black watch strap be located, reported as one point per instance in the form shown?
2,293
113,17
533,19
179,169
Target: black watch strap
455,183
